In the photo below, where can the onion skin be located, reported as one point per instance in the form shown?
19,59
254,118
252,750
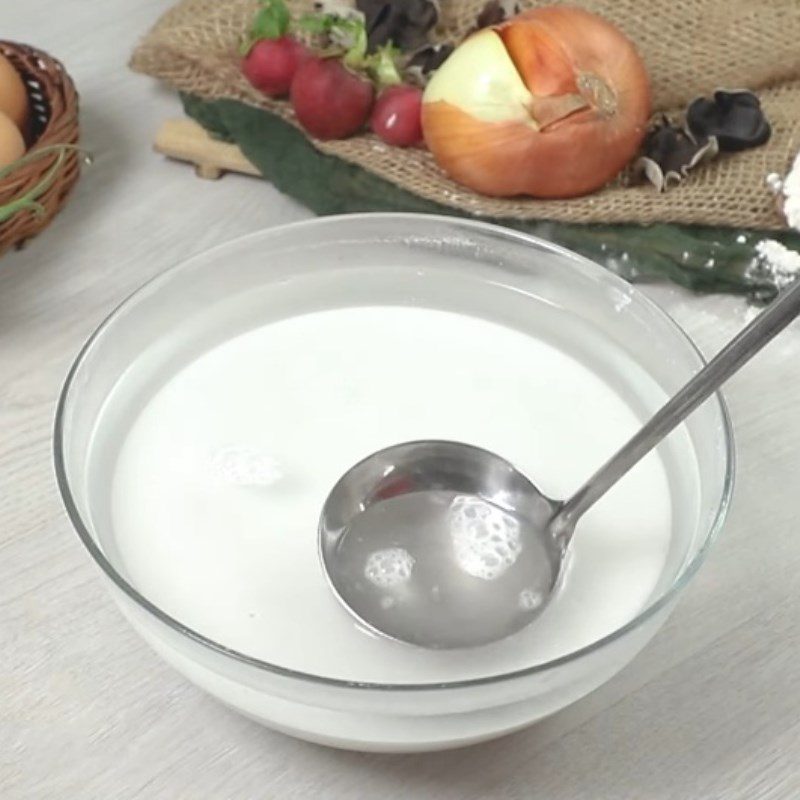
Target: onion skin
563,55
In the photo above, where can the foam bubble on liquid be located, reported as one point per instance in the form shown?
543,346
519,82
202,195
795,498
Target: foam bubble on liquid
486,539
245,466
530,600
389,567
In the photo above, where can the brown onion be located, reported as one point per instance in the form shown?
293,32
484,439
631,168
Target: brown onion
553,103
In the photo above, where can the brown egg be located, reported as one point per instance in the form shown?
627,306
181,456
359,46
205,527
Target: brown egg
12,146
13,95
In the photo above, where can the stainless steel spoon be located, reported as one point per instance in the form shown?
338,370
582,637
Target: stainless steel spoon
445,545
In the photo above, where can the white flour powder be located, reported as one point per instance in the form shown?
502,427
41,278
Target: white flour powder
776,260
790,191
781,263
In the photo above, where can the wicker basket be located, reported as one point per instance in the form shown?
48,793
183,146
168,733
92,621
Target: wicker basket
53,120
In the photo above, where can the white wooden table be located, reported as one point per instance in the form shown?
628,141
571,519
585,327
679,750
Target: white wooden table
710,710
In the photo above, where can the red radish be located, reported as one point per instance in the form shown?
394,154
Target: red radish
271,64
330,101
397,116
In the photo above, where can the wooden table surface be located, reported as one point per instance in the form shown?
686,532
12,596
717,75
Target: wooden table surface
711,709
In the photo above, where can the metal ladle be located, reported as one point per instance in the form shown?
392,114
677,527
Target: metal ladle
443,545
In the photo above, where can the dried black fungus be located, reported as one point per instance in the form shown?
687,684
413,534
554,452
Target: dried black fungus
734,118
495,12
669,152
336,8
404,23
428,59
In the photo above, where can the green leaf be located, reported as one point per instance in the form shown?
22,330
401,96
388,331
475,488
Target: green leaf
354,34
271,21
382,66
348,37
704,259
315,24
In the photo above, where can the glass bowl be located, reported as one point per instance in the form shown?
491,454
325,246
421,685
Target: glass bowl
407,259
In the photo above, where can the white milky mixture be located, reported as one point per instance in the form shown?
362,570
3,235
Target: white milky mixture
245,466
203,534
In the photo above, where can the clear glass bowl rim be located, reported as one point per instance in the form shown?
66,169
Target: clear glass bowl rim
681,580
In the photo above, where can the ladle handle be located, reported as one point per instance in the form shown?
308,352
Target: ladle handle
765,327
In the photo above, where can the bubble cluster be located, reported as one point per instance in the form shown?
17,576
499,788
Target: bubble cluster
486,539
530,600
245,466
389,567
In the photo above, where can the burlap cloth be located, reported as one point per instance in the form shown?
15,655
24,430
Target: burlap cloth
691,47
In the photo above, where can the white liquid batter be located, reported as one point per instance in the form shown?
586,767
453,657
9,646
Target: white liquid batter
220,480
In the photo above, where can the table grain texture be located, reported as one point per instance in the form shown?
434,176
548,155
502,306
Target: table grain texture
710,710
